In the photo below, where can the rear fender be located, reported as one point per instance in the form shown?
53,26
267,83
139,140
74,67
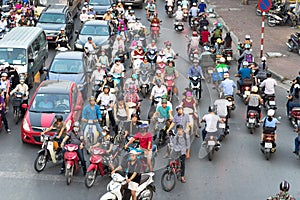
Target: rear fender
108,196
69,164
43,151
92,167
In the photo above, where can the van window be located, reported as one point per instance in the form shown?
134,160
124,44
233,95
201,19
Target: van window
13,56
42,39
36,47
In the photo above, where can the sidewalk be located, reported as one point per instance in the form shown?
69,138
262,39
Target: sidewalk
241,20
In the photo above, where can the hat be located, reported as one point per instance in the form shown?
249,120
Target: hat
188,93
134,152
164,101
179,107
92,98
62,28
4,74
98,64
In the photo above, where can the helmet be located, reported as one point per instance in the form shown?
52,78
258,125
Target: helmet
129,7
76,124
22,79
179,107
164,101
195,33
269,74
144,125
164,96
117,59
204,27
158,71
271,113
210,109
90,38
222,60
247,37
179,7
131,11
219,25
109,75
105,128
158,82
133,152
134,76
59,118
145,58
254,89
179,126
92,98
263,58
194,4
219,40
202,1
284,186
134,115
245,63
247,46
195,61
188,94
91,7
226,75
106,87
4,74
161,53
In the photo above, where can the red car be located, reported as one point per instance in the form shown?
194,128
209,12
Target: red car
51,98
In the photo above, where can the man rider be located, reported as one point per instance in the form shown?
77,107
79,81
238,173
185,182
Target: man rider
23,88
178,16
268,85
163,111
193,12
271,122
92,112
90,45
243,73
180,118
157,91
227,85
61,35
75,137
194,41
195,70
133,80
283,194
132,127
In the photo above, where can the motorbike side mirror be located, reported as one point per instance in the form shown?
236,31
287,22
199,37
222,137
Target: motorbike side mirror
177,54
24,106
89,71
30,60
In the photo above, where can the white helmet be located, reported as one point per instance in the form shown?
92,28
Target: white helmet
247,37
222,60
179,7
245,63
263,58
271,113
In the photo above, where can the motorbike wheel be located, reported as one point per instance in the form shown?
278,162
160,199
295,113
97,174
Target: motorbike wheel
210,153
292,45
144,92
271,22
198,94
146,194
168,176
251,130
153,161
299,51
90,178
69,174
267,154
40,162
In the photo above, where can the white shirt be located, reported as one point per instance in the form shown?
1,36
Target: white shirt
84,17
161,59
89,47
269,85
211,122
169,2
179,15
105,99
222,105
158,92
98,75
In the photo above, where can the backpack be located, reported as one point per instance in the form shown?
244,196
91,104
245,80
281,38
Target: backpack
249,58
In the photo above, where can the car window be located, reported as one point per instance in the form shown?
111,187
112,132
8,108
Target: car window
55,18
50,102
95,30
66,66
99,2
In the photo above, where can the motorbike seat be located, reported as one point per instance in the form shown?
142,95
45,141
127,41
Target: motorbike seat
269,130
144,178
296,109
247,81
297,34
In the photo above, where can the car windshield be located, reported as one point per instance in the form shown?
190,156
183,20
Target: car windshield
51,103
98,30
54,18
66,66
13,56
99,3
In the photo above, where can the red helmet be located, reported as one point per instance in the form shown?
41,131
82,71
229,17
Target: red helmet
195,33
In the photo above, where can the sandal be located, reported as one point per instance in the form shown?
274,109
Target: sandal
183,180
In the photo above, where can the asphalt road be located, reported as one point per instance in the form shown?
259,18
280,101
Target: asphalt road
238,171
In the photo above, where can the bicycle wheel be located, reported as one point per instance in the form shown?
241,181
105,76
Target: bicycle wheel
168,180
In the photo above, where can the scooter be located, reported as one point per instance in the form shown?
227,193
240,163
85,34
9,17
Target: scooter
137,60
289,18
144,191
268,144
97,88
170,11
195,85
245,89
270,102
161,127
71,161
223,129
231,105
210,146
295,117
104,114
252,120
161,67
179,26
228,55
190,112
49,152
152,56
99,163
195,23
155,27
293,42
144,82
152,109
170,82
90,134
185,14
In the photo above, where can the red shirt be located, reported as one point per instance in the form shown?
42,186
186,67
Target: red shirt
204,36
144,139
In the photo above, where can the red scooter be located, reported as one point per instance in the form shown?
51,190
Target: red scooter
161,67
170,84
99,162
155,31
71,161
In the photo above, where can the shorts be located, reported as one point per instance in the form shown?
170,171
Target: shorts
149,155
133,186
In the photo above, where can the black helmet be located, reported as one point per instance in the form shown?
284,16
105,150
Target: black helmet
284,186
179,126
210,109
59,118
269,74
134,115
90,38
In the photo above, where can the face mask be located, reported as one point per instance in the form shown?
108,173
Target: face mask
76,129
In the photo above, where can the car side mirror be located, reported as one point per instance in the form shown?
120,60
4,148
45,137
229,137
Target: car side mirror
78,107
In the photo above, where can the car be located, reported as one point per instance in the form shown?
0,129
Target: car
53,19
72,66
137,3
100,32
100,7
61,97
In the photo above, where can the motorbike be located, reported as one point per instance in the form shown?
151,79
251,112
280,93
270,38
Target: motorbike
161,127
222,128
99,163
293,42
209,146
170,11
144,82
190,113
17,102
137,60
252,120
231,106
228,55
97,88
117,78
295,117
179,26
104,114
161,67
170,82
152,55
155,27
91,58
245,89
144,191
270,102
195,23
268,144
49,152
195,85
71,162
289,18
90,134
194,54
185,14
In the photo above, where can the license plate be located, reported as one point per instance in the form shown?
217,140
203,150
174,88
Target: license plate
211,142
229,58
247,93
268,145
144,86
251,120
179,27
49,37
222,125
90,121
50,145
210,71
127,3
272,103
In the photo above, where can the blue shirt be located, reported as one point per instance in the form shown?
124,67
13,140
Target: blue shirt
227,85
245,72
195,71
91,114
163,113
202,7
193,11
272,123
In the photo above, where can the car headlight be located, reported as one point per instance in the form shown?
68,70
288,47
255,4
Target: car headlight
78,46
26,125
68,125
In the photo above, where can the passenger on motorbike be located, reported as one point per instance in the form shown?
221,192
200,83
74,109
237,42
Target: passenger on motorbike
180,118
247,41
131,127
145,139
120,111
158,76
120,8
91,12
63,43
150,8
118,44
246,55
254,101
283,194
268,85
133,169
193,12
157,91
151,46
204,35
92,112
271,122
105,99
294,99
133,80
23,88
243,73
75,137
194,41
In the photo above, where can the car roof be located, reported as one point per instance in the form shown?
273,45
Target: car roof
96,22
56,9
55,86
74,55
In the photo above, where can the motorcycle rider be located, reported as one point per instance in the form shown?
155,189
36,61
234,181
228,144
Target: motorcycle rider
261,70
105,99
185,4
228,41
163,111
247,41
193,12
169,52
161,58
92,112
195,70
150,8
218,47
131,127
103,59
133,80
155,20
98,74
145,64
108,15
23,88
227,86
110,82
243,73
268,85
246,55
222,107
60,127
75,137
216,33
83,15
169,3
194,41
158,76
204,36
132,96
180,118
61,35
145,140
118,68
294,99
63,43
152,46
2,111
283,194
120,111
222,67
133,169
178,16
118,44
254,101
157,91
171,71
5,87
90,45
202,6
271,122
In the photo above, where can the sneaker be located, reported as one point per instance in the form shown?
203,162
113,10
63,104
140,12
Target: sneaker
8,131
295,152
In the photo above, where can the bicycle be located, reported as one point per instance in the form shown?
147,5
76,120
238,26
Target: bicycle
170,174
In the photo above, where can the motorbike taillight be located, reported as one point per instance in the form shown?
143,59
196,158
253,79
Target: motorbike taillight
269,138
247,88
252,114
295,113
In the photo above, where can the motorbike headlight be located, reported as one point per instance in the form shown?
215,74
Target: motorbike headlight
78,46
68,125
26,125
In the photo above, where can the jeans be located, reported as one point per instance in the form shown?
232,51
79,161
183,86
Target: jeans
297,144
81,158
182,162
291,105
98,127
4,119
